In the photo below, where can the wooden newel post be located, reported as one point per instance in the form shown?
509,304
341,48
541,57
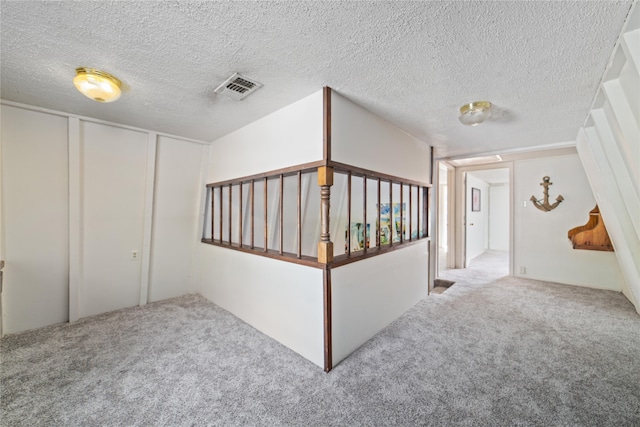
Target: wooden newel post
325,246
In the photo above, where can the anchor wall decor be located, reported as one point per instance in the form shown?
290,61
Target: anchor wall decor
545,206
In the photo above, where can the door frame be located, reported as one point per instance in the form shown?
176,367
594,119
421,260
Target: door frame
460,210
451,180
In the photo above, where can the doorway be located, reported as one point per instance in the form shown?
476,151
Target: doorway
486,224
472,231
446,190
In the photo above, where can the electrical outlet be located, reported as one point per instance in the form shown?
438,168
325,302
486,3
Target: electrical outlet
134,255
524,204
523,270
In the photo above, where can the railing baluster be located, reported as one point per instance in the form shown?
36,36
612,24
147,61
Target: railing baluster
325,245
410,212
426,211
349,214
253,211
240,216
265,214
221,212
401,213
281,208
364,213
213,204
299,216
391,223
378,236
419,211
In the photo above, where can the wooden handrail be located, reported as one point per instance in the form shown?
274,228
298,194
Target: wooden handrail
358,171
288,171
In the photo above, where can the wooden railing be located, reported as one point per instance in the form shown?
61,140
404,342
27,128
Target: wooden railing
229,227
409,228
237,223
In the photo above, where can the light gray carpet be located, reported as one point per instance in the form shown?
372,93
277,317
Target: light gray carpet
489,351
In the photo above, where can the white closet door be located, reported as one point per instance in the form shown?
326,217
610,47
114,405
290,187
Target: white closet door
114,162
35,228
175,235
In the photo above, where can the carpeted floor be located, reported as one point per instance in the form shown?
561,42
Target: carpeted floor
491,350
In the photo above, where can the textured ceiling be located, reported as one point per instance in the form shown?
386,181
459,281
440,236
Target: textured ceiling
413,63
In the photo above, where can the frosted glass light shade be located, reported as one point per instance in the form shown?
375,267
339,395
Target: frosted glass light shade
97,85
474,113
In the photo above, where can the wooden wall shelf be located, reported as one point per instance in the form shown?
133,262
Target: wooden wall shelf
593,235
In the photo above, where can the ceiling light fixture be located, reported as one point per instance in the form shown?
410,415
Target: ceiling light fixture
474,113
97,85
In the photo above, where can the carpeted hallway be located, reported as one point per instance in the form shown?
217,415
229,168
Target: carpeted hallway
492,350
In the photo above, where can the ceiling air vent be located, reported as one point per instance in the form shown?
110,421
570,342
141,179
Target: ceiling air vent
238,87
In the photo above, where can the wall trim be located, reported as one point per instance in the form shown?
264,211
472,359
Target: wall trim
76,224
361,172
149,198
326,125
567,147
328,312
286,172
194,277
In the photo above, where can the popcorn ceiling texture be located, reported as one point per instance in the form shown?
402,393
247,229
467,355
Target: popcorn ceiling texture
413,63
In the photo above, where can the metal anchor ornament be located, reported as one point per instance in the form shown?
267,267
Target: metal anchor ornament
545,206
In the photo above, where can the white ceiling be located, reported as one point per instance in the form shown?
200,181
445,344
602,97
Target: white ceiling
413,63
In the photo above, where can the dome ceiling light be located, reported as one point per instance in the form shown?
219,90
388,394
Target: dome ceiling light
97,85
474,113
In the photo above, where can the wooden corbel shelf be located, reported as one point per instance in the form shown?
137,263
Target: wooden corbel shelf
593,235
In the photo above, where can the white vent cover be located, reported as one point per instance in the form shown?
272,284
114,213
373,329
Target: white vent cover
238,87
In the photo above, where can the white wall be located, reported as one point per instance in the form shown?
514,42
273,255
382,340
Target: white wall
290,136
78,198
541,243
281,299
178,188
35,219
368,295
499,217
284,300
477,223
359,138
